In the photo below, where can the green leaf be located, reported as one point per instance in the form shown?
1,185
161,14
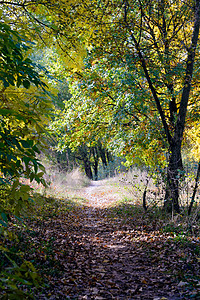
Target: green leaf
5,83
4,217
5,112
40,174
35,165
26,83
19,81
3,223
25,188
26,160
31,176
25,144
15,184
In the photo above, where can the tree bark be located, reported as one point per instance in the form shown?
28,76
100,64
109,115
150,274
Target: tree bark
84,156
174,169
103,156
144,202
195,190
88,169
96,162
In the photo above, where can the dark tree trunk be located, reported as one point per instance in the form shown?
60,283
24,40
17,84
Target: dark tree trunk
84,156
175,161
102,155
96,162
195,190
109,156
144,201
174,171
88,169
96,170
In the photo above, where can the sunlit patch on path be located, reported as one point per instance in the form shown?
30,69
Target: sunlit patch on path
100,195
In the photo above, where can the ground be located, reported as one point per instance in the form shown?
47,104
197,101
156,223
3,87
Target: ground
95,250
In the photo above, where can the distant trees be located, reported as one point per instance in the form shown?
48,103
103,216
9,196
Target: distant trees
91,157
87,158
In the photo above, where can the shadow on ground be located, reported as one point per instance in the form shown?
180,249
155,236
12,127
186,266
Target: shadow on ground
83,252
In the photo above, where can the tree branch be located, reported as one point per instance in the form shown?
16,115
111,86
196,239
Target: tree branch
188,77
153,90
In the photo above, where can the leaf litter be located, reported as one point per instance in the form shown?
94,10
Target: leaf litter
90,251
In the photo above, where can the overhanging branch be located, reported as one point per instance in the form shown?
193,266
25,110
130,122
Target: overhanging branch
153,90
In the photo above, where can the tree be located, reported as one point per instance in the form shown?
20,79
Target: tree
156,42
25,111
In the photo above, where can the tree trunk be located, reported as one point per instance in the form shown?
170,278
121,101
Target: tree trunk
95,169
96,162
144,202
88,170
195,190
109,156
102,155
174,170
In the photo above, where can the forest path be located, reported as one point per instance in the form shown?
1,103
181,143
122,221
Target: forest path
102,194
109,257
95,250
96,254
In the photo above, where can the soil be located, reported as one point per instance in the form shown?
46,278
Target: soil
97,251
108,258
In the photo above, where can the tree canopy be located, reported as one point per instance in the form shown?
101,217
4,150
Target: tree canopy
132,67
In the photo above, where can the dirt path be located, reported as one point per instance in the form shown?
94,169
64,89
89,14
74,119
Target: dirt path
100,194
94,257
90,252
89,255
